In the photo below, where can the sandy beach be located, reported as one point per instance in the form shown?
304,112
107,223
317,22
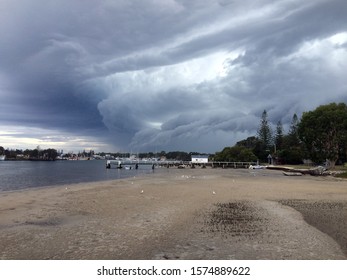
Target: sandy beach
180,214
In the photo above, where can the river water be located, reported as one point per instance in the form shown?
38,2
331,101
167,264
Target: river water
18,175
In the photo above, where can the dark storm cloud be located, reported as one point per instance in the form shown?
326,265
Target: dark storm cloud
166,74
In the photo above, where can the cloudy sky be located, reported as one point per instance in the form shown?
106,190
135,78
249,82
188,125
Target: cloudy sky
153,75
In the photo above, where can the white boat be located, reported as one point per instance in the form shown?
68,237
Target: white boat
2,157
257,167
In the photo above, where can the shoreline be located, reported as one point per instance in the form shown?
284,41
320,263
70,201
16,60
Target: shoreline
179,214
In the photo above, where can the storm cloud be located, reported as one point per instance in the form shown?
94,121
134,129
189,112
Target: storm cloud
164,74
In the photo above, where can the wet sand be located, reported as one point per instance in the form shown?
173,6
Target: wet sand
180,214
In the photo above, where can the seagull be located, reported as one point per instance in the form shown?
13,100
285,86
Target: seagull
142,191
213,192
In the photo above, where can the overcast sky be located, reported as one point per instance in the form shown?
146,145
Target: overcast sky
153,75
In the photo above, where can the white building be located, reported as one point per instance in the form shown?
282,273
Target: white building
199,159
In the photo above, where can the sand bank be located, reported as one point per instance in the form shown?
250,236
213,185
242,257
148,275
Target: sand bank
180,214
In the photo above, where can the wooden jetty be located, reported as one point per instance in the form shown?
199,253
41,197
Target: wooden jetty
136,164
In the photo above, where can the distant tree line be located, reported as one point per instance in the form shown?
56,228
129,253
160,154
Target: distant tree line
320,136
35,154
51,154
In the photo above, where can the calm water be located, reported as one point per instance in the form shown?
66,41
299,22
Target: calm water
16,175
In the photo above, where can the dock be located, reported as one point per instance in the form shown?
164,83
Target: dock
136,164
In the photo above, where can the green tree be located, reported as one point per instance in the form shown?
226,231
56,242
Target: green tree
234,154
162,154
34,153
250,142
324,132
50,154
264,145
291,155
293,135
279,135
177,155
292,150
264,131
27,152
